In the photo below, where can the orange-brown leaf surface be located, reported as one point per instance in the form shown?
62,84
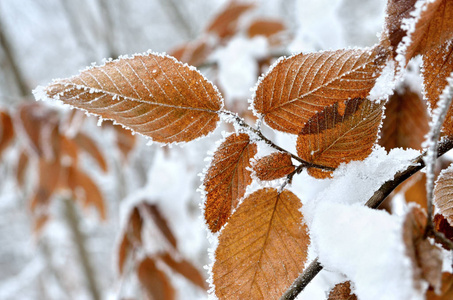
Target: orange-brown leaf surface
186,269
273,166
265,27
416,190
155,283
441,225
406,121
426,258
225,23
89,145
22,165
433,28
6,131
227,178
342,139
342,291
152,94
132,237
262,249
123,253
193,53
49,175
397,10
86,190
443,192
437,67
300,86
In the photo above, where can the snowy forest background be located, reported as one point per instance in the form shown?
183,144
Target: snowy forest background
43,40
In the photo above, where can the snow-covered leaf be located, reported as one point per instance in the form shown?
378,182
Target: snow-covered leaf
262,249
152,94
227,178
299,86
273,166
331,141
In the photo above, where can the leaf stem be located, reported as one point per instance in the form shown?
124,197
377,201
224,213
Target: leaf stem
240,121
378,197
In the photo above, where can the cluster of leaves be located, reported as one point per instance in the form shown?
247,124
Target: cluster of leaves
327,99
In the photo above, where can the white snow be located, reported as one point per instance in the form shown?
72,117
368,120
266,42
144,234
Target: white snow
385,83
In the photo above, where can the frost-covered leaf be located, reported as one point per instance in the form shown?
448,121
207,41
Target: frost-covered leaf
262,249
155,283
88,144
227,178
85,190
273,166
6,131
342,139
342,291
441,225
186,269
299,86
224,25
152,94
406,121
443,194
431,28
426,258
397,11
437,67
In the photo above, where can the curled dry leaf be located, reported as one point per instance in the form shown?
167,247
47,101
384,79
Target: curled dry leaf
330,141
433,28
152,94
224,25
437,67
155,283
86,190
273,166
186,269
89,145
443,192
227,178
342,291
300,86
6,131
262,249
426,258
406,121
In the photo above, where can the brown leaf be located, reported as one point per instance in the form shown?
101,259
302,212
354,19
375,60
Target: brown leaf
342,291
22,165
443,192
416,191
186,269
441,225
342,139
433,28
273,166
154,281
49,175
265,28
397,11
262,249
161,223
446,291
194,53
86,190
300,86
89,145
123,253
437,67
152,94
132,238
69,151
224,25
426,258
6,131
41,127
227,178
406,121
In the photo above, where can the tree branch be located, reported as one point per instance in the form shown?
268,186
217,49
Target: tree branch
378,197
